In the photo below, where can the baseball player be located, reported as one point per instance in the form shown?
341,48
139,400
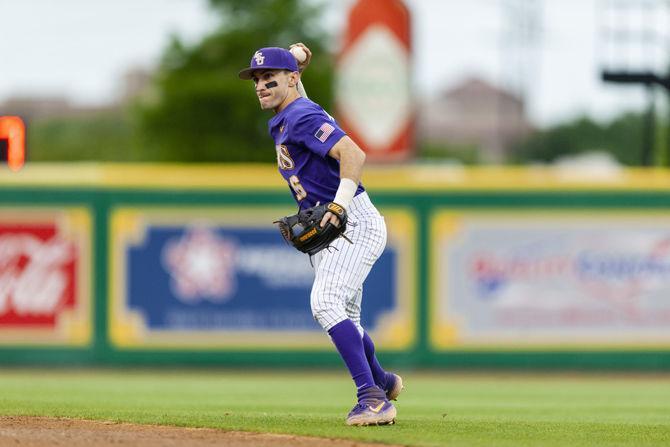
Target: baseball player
322,164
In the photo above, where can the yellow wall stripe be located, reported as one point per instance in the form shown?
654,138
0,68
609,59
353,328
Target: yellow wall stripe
395,178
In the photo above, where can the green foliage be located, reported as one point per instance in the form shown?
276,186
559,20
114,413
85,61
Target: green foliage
621,137
105,136
201,110
465,154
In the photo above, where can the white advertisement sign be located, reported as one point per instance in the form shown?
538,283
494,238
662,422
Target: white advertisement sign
561,279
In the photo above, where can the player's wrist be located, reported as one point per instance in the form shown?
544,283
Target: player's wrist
345,193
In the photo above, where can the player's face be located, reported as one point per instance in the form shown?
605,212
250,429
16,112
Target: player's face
272,97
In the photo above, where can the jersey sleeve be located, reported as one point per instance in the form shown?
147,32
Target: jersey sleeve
318,132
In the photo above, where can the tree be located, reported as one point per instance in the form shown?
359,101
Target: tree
622,137
101,136
201,111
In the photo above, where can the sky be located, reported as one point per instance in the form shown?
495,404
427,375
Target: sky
80,48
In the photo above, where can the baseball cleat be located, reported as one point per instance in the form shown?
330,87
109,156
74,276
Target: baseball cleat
393,386
372,409
383,413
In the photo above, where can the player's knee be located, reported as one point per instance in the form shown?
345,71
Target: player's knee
326,310
321,309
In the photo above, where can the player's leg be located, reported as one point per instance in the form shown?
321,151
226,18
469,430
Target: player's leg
328,298
372,227
341,270
389,382
339,274
373,408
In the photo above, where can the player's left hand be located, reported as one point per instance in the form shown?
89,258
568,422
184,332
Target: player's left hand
303,65
308,231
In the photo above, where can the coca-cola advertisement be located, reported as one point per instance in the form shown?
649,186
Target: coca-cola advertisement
42,288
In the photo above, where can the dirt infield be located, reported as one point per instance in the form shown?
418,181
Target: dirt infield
47,432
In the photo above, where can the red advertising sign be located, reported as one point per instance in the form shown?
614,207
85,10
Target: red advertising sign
44,260
38,275
373,94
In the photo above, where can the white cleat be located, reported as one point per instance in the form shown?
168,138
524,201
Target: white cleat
376,413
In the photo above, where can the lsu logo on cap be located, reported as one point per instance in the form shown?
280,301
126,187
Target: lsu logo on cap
260,59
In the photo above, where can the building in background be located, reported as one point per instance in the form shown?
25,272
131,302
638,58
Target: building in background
475,113
32,108
135,82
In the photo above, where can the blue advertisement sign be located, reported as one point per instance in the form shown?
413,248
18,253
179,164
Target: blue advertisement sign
213,278
212,281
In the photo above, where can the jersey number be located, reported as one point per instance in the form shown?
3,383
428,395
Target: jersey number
300,192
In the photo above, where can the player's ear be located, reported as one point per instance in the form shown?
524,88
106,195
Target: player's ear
293,79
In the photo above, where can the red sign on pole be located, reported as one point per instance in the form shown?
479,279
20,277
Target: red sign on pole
373,95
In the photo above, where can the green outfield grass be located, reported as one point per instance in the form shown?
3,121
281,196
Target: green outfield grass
435,409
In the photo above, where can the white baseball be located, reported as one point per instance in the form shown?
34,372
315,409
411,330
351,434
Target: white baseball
299,54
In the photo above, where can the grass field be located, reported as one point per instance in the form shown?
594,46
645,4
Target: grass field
435,409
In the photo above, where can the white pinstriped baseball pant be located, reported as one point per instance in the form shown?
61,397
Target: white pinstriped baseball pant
341,270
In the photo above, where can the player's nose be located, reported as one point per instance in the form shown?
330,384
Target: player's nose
263,92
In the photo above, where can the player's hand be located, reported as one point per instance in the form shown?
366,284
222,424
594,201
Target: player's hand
303,65
330,217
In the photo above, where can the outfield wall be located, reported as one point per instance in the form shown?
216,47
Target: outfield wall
487,267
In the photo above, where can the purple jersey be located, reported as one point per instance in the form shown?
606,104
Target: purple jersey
304,133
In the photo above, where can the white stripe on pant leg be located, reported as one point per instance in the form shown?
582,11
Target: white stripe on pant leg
341,270
353,310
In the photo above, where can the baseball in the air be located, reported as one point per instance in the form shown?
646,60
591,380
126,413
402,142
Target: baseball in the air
299,54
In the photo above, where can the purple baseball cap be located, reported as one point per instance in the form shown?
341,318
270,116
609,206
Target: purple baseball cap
271,58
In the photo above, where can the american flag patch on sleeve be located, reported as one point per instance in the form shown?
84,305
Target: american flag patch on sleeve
324,132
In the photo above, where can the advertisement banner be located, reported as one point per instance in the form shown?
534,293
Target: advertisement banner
213,278
373,93
45,273
550,279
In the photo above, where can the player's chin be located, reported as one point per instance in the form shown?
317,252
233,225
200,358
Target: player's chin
266,103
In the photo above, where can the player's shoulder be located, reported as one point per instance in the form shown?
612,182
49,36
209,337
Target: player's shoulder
305,109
